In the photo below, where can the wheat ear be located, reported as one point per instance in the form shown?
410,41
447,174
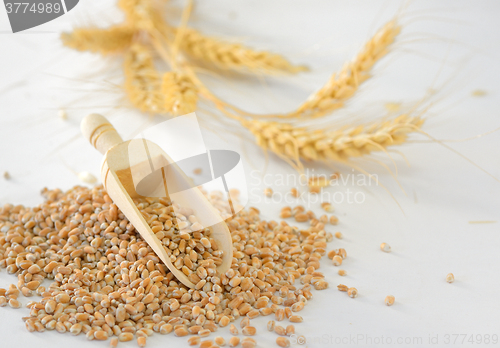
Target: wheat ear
142,80
105,41
300,143
179,93
343,85
143,14
233,56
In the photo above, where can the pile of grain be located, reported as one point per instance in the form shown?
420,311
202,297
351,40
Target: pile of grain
106,280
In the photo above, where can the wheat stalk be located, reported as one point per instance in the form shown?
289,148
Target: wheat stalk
233,56
114,39
343,85
300,143
179,92
142,80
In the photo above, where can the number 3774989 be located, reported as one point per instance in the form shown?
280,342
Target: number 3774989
25,7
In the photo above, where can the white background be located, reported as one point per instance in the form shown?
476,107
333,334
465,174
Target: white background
449,46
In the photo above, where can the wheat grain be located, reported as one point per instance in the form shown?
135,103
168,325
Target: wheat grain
234,341
111,40
334,220
234,56
343,85
385,247
179,93
248,343
220,341
249,330
142,81
352,292
337,260
283,342
389,300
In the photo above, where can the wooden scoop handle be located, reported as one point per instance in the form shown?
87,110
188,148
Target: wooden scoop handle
101,134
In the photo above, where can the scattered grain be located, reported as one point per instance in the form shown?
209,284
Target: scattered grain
224,321
194,340
389,300
249,331
204,333
233,330
301,217
14,303
244,322
125,337
280,330
270,325
342,287
181,331
283,342
248,343
334,220
342,253
220,341
315,189
280,314
385,247
141,341
337,260
352,292
234,341
206,344
101,335
327,206
268,192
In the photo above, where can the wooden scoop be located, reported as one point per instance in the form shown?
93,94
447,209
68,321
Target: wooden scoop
116,174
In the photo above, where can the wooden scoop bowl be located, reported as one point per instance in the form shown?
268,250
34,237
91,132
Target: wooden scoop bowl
116,175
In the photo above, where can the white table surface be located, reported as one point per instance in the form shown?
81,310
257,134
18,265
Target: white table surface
451,46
